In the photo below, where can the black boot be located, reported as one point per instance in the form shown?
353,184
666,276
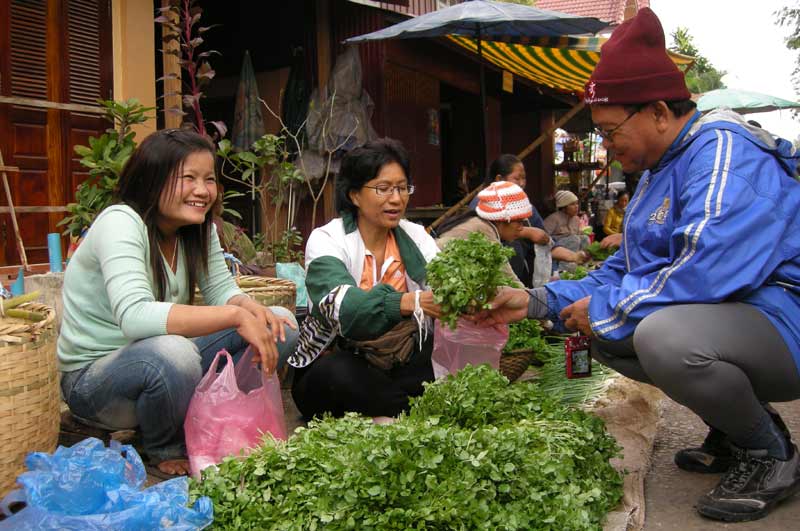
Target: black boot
752,487
714,455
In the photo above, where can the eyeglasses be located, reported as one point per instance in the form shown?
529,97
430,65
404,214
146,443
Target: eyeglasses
609,135
384,190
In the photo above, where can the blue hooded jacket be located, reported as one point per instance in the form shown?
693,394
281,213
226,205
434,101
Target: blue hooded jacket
717,220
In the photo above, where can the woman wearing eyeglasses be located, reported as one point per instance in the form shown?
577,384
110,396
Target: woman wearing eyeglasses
366,345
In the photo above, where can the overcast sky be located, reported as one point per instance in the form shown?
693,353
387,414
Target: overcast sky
742,38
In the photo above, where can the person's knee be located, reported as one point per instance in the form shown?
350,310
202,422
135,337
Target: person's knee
176,361
286,348
663,347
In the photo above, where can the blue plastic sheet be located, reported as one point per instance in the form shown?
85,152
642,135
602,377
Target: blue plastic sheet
294,272
89,487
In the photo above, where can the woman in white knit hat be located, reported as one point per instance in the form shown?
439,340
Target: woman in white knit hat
499,215
563,225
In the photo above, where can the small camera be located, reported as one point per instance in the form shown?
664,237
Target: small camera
578,360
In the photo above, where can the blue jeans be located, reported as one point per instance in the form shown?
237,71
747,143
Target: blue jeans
149,383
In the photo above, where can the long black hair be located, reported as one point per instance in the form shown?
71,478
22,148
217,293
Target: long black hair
151,170
363,164
502,166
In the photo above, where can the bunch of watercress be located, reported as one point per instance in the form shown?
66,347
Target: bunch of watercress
579,273
465,275
598,252
525,335
473,453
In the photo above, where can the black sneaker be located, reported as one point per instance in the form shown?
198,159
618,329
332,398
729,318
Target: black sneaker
712,457
752,487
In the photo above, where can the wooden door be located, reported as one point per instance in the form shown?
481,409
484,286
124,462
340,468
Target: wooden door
54,52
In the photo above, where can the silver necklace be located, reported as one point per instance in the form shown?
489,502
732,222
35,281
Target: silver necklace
174,255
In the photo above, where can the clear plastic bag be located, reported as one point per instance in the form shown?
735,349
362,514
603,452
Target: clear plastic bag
89,487
231,411
468,344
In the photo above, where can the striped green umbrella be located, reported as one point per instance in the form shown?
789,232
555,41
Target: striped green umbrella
743,101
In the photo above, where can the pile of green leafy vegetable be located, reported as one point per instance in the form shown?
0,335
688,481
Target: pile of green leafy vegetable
465,275
473,453
579,273
525,335
598,253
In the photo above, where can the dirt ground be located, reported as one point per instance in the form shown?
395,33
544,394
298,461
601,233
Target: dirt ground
671,493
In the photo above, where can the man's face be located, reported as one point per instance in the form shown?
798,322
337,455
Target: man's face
628,134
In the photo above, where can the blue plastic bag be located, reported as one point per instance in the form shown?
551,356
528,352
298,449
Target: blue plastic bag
89,487
294,272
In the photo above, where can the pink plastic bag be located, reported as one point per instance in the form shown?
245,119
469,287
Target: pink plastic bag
231,411
468,344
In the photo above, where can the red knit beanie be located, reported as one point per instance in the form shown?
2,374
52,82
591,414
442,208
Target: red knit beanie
634,66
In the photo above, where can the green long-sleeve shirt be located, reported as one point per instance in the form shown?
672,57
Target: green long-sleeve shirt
109,289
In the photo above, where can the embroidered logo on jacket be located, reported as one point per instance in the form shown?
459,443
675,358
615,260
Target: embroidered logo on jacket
660,213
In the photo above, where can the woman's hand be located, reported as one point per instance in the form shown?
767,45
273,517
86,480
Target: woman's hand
260,337
611,240
535,235
430,308
264,315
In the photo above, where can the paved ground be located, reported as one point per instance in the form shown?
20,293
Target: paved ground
671,493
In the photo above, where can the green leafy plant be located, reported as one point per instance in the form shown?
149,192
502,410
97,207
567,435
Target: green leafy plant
105,156
598,252
525,335
579,273
473,453
289,248
249,167
181,22
465,275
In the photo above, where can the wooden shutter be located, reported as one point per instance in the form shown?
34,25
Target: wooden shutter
29,48
84,51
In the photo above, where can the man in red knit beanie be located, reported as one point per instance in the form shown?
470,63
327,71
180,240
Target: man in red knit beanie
702,299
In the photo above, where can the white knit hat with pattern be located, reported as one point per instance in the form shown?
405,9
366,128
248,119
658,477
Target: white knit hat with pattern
503,201
564,198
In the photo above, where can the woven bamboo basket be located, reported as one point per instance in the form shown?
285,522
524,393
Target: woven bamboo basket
29,391
514,363
265,290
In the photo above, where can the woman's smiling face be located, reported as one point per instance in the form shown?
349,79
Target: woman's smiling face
188,196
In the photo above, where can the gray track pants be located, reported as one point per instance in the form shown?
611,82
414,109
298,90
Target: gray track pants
719,360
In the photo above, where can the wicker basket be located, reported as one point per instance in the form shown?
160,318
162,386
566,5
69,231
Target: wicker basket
514,363
29,391
266,291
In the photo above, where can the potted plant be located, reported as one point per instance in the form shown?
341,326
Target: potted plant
105,156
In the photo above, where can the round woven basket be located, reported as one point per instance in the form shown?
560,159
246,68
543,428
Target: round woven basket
29,391
514,363
265,290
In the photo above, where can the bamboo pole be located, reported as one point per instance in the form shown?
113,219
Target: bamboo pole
20,246
45,104
466,199
564,119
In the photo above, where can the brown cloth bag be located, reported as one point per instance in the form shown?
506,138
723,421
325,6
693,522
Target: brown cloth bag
392,348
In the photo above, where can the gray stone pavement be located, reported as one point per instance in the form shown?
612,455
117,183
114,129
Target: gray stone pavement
671,493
